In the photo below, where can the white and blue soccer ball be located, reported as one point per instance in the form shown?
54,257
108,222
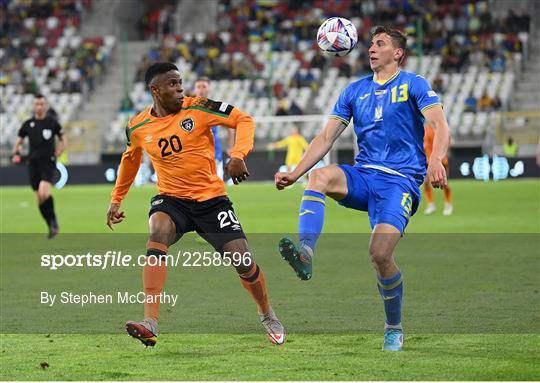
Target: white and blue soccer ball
337,36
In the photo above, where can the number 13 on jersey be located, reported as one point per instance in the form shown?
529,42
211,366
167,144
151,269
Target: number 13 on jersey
400,93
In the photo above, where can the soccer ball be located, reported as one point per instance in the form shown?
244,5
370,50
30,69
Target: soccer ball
337,36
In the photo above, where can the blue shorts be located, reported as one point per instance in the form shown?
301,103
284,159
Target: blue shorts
387,198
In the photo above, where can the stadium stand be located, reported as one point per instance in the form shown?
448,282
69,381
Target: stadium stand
464,47
42,51
261,56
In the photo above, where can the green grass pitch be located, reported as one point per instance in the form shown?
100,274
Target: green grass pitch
469,315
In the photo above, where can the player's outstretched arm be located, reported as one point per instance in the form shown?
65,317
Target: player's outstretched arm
436,174
279,144
243,144
129,166
318,148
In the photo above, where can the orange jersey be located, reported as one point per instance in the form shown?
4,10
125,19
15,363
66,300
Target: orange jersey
429,135
181,148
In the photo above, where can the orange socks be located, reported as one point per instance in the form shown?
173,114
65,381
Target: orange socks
447,195
428,192
154,277
254,282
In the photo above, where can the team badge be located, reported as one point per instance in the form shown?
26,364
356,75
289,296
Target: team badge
47,133
188,124
378,114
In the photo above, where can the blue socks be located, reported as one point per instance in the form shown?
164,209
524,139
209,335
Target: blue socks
311,218
391,290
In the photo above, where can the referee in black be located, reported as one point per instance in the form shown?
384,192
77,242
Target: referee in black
42,131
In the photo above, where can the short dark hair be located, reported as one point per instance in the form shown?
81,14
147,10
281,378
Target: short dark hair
39,95
399,39
157,69
203,78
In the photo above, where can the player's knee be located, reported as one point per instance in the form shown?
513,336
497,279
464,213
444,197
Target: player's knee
379,255
319,179
238,251
42,196
162,229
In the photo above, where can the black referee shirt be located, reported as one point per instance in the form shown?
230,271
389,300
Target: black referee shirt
41,134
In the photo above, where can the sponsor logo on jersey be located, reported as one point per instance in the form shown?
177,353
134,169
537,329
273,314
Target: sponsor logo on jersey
223,107
236,227
364,96
431,93
47,133
157,202
188,124
378,113
32,124
148,138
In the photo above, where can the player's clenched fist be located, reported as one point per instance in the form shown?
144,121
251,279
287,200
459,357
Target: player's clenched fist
436,174
237,170
114,216
283,179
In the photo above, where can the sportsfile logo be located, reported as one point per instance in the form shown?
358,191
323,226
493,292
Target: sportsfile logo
113,258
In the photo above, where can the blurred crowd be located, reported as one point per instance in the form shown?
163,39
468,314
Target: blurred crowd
462,32
159,21
38,35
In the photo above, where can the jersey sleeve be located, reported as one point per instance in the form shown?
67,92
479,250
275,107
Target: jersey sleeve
282,143
129,166
23,131
343,108
221,113
423,95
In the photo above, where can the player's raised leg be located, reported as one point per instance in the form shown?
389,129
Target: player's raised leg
253,280
162,235
390,284
328,181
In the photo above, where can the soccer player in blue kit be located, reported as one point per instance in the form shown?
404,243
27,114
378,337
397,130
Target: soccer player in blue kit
388,111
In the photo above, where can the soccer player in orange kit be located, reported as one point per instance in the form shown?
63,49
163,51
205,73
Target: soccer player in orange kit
176,134
428,192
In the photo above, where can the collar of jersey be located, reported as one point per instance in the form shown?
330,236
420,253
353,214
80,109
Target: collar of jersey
152,117
388,79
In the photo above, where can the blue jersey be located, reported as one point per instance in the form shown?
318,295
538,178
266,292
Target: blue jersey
218,152
388,122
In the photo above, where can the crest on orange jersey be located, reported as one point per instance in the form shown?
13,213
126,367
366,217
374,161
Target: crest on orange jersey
187,124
